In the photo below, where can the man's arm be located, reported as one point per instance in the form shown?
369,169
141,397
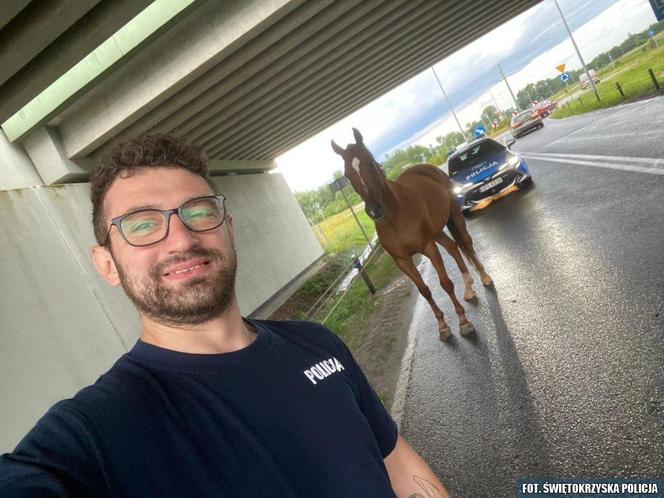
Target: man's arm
410,476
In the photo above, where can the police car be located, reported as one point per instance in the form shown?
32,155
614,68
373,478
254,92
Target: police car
484,171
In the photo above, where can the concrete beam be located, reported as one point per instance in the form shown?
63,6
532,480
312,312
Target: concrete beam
16,168
82,56
195,45
291,117
381,55
229,92
34,29
298,80
244,70
226,165
44,148
10,8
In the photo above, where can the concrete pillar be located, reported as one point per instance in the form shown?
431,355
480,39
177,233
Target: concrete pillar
16,168
45,149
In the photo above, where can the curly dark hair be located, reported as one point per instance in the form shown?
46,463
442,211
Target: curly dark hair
125,158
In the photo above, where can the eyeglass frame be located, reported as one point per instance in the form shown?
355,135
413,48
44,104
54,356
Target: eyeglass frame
166,213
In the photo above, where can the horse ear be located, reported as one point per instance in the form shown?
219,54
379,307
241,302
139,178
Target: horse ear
336,148
358,137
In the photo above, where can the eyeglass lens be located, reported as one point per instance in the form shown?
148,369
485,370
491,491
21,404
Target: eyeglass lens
150,226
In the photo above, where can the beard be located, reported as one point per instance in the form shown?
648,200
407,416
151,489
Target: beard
191,302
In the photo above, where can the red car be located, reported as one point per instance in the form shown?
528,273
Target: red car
545,108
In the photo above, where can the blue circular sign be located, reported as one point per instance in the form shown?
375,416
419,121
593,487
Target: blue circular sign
564,77
480,131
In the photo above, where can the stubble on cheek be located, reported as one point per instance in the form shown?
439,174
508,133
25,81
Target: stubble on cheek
189,302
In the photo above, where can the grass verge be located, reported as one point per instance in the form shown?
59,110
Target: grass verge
341,235
631,73
340,238
349,319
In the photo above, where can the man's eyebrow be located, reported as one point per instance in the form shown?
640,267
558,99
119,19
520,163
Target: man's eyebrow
139,207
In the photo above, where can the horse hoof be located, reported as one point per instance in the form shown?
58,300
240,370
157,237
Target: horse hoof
467,328
469,296
486,280
445,333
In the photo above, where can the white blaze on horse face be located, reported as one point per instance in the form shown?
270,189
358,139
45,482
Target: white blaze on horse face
355,163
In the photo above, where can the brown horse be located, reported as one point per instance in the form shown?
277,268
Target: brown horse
410,214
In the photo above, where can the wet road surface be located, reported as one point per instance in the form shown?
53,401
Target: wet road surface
565,375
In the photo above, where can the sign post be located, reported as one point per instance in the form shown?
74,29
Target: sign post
578,53
651,34
338,186
480,131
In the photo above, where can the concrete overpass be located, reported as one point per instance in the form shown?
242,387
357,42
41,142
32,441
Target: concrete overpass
245,79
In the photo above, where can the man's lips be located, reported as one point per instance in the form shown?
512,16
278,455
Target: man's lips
194,266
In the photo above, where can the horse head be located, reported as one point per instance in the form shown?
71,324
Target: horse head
365,175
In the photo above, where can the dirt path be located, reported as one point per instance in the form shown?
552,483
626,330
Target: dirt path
382,347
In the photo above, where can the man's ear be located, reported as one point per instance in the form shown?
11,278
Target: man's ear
229,228
105,265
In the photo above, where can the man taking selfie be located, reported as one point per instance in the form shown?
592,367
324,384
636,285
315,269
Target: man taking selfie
207,403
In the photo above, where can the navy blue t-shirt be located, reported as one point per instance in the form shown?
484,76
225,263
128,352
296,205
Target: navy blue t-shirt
291,415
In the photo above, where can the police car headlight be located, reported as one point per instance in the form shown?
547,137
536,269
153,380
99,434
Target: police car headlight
512,162
460,189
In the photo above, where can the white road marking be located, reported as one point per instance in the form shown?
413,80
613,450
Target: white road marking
624,167
628,159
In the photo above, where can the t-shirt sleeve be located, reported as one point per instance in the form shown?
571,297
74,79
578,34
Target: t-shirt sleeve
55,459
381,422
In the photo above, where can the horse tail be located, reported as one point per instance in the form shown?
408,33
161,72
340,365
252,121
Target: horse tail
457,231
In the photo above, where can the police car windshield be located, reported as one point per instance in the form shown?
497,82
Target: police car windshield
472,155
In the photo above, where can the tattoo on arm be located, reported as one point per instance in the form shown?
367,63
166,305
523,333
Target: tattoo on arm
430,490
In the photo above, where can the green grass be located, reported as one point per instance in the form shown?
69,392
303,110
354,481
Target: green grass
349,319
341,235
341,238
631,71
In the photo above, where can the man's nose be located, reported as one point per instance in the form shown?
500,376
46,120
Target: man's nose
180,238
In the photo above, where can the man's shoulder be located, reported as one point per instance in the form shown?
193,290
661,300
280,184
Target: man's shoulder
123,387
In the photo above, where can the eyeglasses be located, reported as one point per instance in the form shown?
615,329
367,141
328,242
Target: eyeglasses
145,227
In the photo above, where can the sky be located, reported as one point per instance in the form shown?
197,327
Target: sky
528,48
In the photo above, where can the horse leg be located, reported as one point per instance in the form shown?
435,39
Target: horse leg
431,252
453,250
406,266
465,242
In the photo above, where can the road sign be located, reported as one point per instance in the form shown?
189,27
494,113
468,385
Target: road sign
480,131
658,9
339,184
651,33
561,68
564,77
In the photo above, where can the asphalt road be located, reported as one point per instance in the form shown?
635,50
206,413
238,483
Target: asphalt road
565,375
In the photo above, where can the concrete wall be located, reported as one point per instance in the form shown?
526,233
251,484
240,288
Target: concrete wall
16,168
61,326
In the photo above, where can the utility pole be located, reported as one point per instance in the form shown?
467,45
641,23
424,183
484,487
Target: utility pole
495,102
516,104
569,31
551,92
449,104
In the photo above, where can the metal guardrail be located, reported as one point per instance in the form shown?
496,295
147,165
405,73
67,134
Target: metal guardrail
343,282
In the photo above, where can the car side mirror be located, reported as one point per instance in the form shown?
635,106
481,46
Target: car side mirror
509,142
